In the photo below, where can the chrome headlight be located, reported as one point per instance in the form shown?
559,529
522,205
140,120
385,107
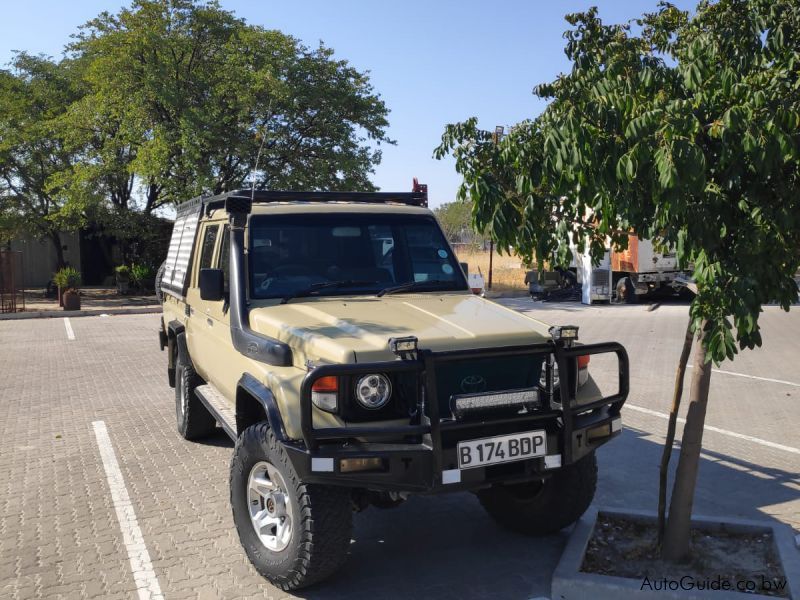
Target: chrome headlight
373,391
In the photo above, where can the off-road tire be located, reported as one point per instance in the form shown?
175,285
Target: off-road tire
541,509
626,291
322,516
194,421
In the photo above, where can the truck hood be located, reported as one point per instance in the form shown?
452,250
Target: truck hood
357,329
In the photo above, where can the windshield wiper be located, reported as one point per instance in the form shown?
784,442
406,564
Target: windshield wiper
321,285
413,285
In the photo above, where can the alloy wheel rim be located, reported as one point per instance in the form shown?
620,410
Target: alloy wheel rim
269,506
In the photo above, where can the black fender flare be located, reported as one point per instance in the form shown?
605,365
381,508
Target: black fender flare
176,333
254,388
183,349
173,329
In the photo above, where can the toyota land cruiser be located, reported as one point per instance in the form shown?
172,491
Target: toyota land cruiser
334,338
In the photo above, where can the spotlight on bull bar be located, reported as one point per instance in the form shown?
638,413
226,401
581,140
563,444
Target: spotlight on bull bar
564,332
404,347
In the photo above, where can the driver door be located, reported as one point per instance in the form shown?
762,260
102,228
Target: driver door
197,326
228,363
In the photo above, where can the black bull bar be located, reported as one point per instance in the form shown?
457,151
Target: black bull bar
431,425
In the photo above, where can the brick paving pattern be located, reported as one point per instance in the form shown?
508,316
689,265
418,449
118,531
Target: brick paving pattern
60,538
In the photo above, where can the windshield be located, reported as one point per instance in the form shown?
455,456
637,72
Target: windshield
354,253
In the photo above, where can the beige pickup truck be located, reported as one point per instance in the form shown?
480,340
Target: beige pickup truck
333,336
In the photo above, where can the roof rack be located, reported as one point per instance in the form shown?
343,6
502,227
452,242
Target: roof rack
263,197
417,197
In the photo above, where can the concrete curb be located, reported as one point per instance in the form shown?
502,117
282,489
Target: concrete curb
570,583
89,312
512,294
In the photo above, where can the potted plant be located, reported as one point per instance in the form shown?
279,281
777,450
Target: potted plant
141,277
123,275
678,129
60,283
68,281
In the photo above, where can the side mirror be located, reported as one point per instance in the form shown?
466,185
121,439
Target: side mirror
212,284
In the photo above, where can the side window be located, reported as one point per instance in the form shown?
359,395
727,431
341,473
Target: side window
207,250
224,256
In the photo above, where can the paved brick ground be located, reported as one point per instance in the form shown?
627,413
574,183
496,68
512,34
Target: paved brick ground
59,537
737,477
58,532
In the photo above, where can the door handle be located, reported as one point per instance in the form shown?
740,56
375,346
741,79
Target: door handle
209,322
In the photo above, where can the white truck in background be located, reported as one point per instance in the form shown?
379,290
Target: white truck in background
629,275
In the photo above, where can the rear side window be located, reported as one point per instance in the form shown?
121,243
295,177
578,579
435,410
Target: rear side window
181,247
209,241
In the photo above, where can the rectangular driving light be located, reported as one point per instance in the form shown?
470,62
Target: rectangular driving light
352,465
597,433
513,401
404,347
564,332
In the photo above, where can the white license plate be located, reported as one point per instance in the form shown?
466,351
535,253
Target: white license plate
501,449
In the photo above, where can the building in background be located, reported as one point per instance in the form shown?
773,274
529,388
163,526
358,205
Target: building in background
94,253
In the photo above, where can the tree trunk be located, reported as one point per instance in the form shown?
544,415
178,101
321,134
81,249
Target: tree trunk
669,442
55,237
677,535
153,192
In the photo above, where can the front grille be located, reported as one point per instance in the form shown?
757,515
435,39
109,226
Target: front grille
475,376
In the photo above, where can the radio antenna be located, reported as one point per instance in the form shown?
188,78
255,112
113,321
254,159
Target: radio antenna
258,156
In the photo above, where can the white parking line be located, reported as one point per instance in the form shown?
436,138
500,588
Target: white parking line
143,575
68,327
753,377
740,436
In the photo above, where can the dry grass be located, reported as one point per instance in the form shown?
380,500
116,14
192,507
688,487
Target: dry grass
508,272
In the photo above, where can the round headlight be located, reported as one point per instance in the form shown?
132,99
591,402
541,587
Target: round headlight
373,391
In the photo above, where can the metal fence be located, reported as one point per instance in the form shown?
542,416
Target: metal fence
12,282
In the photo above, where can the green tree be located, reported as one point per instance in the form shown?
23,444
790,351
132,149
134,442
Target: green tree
185,97
166,100
455,219
34,94
684,129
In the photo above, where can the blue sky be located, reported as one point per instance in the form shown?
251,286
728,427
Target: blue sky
434,62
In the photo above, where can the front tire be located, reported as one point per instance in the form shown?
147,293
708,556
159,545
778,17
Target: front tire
295,534
545,507
193,419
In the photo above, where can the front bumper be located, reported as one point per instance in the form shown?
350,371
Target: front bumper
424,459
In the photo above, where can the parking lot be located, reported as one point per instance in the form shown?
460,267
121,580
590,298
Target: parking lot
74,503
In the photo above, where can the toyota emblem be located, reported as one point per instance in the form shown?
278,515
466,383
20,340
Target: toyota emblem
473,383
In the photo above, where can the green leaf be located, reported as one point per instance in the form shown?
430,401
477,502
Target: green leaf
667,173
630,169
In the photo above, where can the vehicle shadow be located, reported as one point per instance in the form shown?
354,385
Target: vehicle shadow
218,439
448,547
